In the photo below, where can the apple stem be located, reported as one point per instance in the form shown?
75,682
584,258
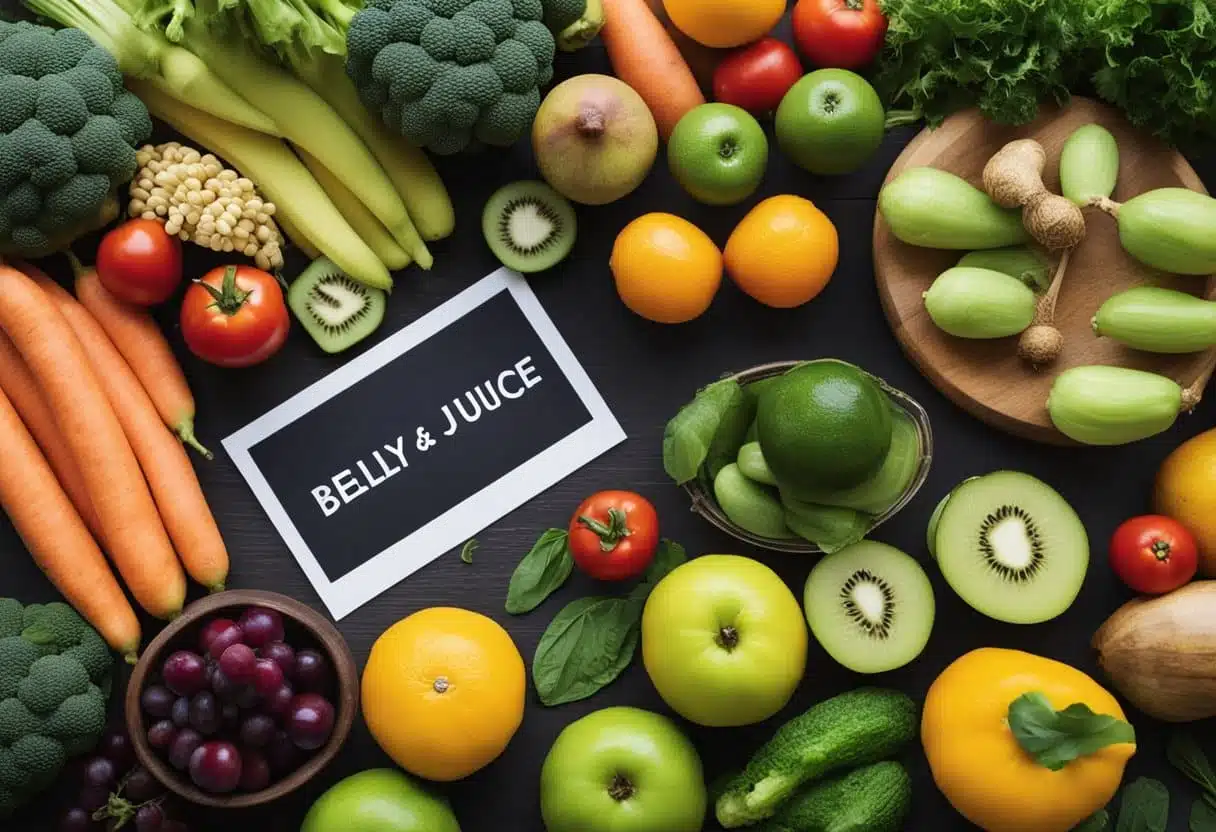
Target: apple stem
590,122
620,789
728,638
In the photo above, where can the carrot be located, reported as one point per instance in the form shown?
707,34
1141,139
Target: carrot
56,537
22,391
145,349
171,478
645,57
131,528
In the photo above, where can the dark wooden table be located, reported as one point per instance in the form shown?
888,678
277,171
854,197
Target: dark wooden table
646,372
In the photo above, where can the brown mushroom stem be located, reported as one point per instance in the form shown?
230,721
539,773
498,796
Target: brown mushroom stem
1041,342
1106,205
1045,312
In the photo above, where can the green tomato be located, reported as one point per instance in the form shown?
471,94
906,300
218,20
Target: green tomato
379,800
622,770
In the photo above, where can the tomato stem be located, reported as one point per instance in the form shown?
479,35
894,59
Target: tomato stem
1161,550
611,533
855,5
228,298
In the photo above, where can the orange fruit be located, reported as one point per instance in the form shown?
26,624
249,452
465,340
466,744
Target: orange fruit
1186,491
783,252
725,23
443,692
666,269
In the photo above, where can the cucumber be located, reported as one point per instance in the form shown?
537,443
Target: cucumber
1025,263
753,465
749,505
1154,319
828,527
935,209
1089,164
874,798
979,303
1172,229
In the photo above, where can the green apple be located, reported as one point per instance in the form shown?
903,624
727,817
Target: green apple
718,153
622,770
379,800
830,122
724,641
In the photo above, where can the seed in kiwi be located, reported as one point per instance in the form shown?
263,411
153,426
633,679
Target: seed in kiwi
871,606
335,309
529,226
1012,547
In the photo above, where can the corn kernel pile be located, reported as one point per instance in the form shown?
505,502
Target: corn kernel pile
201,201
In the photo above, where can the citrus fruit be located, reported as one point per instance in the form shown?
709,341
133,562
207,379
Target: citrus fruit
1186,491
783,252
443,692
725,23
666,269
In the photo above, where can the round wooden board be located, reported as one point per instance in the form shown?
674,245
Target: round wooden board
986,378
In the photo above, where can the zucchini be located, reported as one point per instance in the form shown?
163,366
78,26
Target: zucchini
874,798
934,209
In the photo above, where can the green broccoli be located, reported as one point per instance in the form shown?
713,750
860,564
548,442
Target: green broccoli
68,133
450,75
54,683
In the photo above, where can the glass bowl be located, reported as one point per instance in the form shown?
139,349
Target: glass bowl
704,504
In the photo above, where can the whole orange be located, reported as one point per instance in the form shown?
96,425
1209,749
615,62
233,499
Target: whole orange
725,23
666,269
1186,491
783,252
443,692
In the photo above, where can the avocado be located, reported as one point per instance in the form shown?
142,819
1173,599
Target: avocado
825,425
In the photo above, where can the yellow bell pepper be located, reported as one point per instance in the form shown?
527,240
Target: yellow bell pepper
992,762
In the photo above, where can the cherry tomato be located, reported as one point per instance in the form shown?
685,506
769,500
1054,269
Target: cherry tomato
845,34
1153,554
613,535
757,77
235,316
139,263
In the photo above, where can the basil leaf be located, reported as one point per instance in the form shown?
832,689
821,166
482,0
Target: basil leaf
541,572
1097,822
587,645
1145,806
1184,754
667,556
708,430
1203,817
466,551
1055,738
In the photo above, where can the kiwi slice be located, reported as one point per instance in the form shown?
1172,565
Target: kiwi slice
334,308
529,226
1012,547
871,607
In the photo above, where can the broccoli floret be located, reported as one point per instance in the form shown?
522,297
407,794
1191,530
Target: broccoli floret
68,133
452,75
54,673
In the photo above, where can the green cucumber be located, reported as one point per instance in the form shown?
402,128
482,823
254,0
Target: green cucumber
1171,229
1025,263
831,528
1154,319
979,303
753,465
935,209
1100,405
873,798
1089,164
749,505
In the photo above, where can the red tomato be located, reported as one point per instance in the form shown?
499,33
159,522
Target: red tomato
757,77
613,535
235,316
139,263
1153,554
845,34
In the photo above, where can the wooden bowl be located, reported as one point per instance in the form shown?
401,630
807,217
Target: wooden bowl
304,625
986,378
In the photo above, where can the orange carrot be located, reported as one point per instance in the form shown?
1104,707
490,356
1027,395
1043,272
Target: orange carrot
56,537
22,391
171,478
645,57
131,528
145,349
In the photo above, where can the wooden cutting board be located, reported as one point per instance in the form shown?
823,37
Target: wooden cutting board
987,378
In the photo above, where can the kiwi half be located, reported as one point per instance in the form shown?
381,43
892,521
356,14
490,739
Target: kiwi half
1012,547
334,308
871,607
529,226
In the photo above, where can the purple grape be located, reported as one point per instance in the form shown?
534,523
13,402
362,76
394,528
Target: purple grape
184,673
281,654
184,744
149,818
100,771
261,626
216,767
231,715
140,786
219,631
255,771
257,730
310,721
162,734
181,712
311,672
205,713
157,701
93,798
282,754
238,662
223,687
76,820
267,677
246,697
116,746
279,702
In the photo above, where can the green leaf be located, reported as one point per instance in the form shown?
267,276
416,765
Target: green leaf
541,572
587,645
667,556
1097,822
1203,817
1145,806
466,551
709,430
1055,738
1184,754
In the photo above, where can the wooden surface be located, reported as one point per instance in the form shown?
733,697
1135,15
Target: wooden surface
986,377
